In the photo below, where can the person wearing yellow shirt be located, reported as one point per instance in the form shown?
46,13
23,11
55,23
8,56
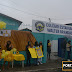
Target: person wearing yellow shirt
48,49
68,48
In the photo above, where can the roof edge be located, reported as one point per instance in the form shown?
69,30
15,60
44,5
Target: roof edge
10,17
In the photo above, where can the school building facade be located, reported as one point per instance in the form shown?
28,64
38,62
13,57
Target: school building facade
13,24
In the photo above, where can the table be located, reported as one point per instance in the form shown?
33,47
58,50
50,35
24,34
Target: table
19,57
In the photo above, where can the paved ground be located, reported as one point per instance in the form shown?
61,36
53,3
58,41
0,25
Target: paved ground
47,67
54,70
52,65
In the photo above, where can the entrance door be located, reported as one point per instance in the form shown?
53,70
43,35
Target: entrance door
60,40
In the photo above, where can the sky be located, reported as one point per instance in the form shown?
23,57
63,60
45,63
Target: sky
26,10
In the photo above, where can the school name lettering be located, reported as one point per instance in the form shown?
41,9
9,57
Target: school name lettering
58,29
59,26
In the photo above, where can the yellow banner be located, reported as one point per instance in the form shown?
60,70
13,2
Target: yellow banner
36,53
33,52
39,52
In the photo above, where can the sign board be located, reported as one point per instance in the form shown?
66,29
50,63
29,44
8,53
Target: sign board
67,66
39,53
33,52
5,33
51,28
36,53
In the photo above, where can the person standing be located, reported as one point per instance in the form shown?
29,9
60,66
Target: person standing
28,63
36,59
48,49
9,47
68,48
41,47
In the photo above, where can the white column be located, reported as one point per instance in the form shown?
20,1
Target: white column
23,64
12,64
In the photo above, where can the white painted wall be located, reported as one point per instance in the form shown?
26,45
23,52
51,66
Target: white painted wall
54,46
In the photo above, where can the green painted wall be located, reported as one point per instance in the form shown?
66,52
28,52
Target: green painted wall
44,37
11,24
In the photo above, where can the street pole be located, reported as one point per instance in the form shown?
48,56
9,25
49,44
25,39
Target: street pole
49,20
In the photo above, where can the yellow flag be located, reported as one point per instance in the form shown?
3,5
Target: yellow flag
39,52
32,52
36,53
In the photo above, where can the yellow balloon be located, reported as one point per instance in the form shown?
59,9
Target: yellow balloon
6,53
2,56
2,25
14,49
3,51
9,59
11,51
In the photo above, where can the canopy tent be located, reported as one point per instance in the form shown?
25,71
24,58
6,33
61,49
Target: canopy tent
19,39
